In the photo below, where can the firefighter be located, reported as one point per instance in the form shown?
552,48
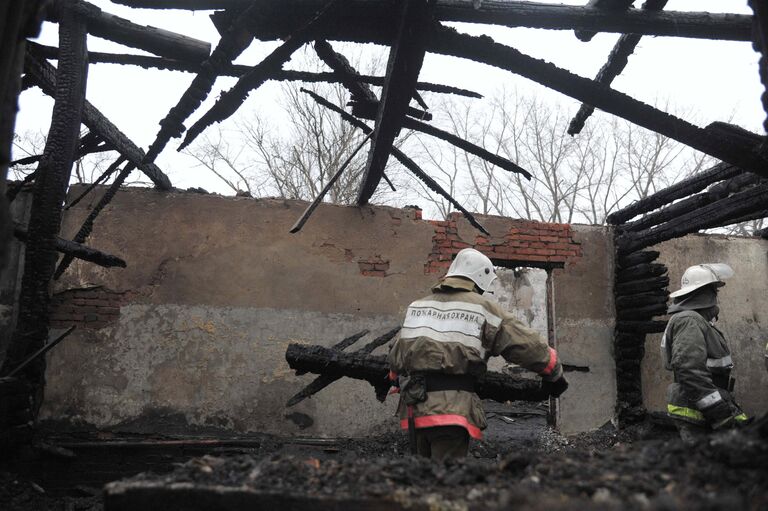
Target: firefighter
443,347
698,355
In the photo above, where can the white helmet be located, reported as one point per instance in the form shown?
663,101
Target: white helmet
473,265
701,275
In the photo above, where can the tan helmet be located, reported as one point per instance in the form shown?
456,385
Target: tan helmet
474,265
702,275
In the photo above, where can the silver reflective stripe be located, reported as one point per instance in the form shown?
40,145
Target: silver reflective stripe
491,318
708,400
466,340
459,322
725,361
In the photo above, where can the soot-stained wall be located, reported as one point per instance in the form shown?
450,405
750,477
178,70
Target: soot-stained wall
192,334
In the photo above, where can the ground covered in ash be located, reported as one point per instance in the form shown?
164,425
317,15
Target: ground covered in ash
603,470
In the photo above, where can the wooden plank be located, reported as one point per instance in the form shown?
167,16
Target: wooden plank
405,59
45,76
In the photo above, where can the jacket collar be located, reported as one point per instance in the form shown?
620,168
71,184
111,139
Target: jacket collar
454,284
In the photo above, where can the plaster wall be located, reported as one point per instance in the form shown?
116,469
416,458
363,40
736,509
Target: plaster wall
216,288
743,314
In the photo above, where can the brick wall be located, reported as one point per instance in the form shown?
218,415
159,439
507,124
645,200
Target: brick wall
525,243
92,307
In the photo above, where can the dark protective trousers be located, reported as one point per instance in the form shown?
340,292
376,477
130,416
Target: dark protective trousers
442,443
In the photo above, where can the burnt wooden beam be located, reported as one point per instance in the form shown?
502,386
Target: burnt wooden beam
635,258
617,61
641,313
368,110
642,299
717,214
641,271
238,70
50,189
153,40
374,369
760,44
87,227
641,327
679,190
483,49
45,76
344,344
79,251
510,13
103,177
608,5
403,159
230,101
641,285
406,56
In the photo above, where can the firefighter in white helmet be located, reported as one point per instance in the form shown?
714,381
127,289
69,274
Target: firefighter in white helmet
696,351
443,347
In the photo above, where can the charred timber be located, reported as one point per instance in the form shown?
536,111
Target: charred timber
635,258
617,61
677,191
641,327
79,251
374,369
642,299
495,12
760,44
716,214
641,271
368,109
629,340
406,56
230,101
48,196
608,5
153,40
484,49
45,76
103,177
403,159
647,312
641,285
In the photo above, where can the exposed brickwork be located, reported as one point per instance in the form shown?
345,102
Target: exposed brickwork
87,308
373,267
526,243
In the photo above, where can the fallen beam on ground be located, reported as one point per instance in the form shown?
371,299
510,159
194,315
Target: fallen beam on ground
374,369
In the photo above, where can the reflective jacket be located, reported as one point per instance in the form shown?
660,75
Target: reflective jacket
698,355
454,331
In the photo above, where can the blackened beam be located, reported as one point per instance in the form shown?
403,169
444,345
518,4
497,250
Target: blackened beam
237,70
403,159
78,250
406,56
103,177
496,12
716,214
684,188
617,61
608,5
230,101
485,50
760,44
713,193
45,76
153,40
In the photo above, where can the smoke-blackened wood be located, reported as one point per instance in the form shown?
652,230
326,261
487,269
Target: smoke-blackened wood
608,5
79,251
484,49
405,59
45,76
344,70
679,190
754,215
641,285
14,190
635,258
617,61
87,227
642,299
716,214
237,70
231,100
508,13
629,340
760,44
344,344
646,312
368,109
737,134
42,351
47,199
641,271
694,202
103,177
641,327
153,40
403,159
374,369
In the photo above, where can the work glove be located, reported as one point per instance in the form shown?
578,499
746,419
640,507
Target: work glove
555,388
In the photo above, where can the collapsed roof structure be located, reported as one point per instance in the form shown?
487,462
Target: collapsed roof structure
736,188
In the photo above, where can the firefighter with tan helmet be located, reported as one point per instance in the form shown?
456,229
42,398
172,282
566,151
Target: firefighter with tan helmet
443,347
698,355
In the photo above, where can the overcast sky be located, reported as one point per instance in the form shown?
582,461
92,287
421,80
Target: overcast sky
709,80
